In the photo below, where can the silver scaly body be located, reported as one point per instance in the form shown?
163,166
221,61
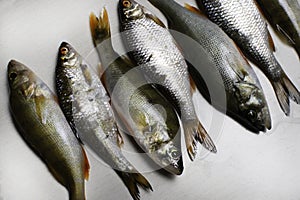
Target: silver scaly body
81,90
155,52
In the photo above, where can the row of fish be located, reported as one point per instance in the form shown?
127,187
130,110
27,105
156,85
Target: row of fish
150,90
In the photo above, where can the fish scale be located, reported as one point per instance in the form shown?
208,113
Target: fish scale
242,21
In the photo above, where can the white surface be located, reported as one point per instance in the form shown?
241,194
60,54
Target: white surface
247,166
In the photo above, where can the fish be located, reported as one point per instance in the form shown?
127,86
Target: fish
244,97
155,52
284,17
85,103
42,124
158,135
243,22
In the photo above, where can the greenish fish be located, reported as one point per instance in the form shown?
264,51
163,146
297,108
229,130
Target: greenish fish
43,125
152,130
154,50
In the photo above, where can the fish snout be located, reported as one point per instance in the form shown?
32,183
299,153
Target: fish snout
175,167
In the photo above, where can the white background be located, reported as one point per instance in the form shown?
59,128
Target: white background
247,166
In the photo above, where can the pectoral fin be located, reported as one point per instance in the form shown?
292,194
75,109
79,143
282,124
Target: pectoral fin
40,108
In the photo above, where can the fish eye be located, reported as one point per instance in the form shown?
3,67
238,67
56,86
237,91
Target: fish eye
64,50
126,4
174,154
252,114
13,76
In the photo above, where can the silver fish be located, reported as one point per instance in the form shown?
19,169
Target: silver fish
155,52
43,125
284,16
85,103
156,135
245,99
242,21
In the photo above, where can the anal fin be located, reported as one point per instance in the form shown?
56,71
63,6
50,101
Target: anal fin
86,165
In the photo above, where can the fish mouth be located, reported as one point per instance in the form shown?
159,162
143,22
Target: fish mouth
175,168
15,66
251,126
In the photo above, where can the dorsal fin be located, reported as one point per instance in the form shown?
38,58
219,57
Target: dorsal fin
155,19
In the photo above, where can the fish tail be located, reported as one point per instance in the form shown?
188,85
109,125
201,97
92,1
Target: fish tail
100,27
284,90
194,132
132,181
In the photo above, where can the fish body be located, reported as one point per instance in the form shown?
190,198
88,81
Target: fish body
85,103
153,49
245,100
43,125
242,21
284,16
152,130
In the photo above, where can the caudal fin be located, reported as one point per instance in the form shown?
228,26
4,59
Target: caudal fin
100,27
132,181
284,90
194,132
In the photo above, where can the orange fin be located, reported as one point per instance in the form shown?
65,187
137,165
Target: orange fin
271,42
193,85
155,19
120,140
94,21
86,164
194,9
99,27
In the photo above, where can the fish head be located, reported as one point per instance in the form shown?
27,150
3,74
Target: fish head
67,55
252,106
130,10
168,156
20,78
164,150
